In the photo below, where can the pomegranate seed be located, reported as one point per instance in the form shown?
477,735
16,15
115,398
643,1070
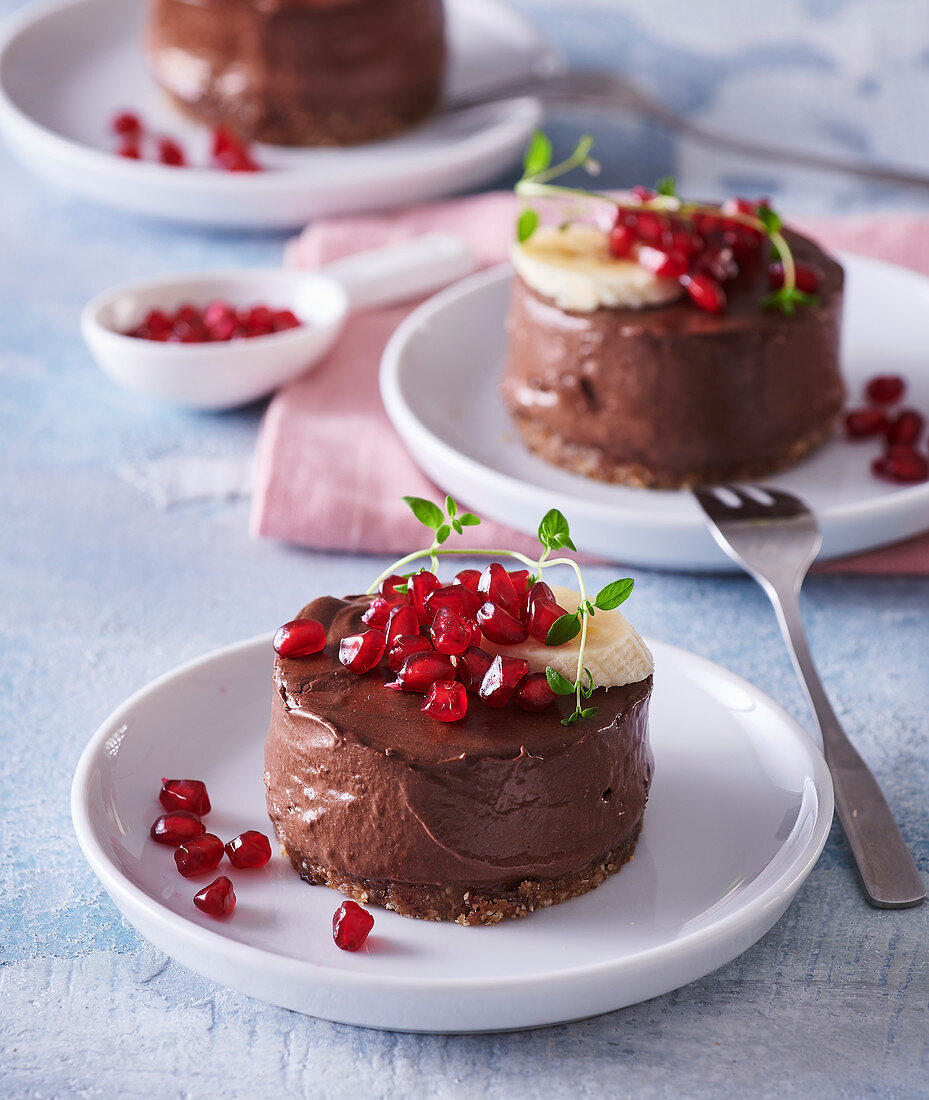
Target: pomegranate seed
806,277
707,225
170,153
389,589
497,586
225,141
455,597
129,150
361,652
740,206
622,238
469,578
884,389
502,679
500,626
185,794
543,614
217,899
219,314
249,849
473,666
158,321
176,827
863,423
286,319
705,292
226,329
403,621
186,332
450,633
684,241
421,670
351,925
534,694
740,238
299,638
378,613
520,579
537,591
421,584
202,853
447,701
405,647
661,261
906,428
126,124
649,227
719,263
902,464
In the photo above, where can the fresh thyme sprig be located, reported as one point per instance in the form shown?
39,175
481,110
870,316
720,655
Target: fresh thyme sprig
554,534
535,183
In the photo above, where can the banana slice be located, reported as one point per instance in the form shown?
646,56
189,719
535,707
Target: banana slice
615,654
573,266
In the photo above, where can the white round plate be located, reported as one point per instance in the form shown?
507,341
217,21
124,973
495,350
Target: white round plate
439,382
739,813
89,55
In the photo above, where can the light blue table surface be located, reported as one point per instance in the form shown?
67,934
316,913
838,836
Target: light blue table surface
108,578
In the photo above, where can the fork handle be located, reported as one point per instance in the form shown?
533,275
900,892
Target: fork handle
888,872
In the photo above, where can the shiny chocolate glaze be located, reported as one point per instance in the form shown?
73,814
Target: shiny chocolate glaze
313,72
674,391
360,780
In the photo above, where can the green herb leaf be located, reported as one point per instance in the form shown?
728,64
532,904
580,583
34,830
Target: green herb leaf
442,534
527,224
401,588
559,684
667,185
456,524
770,219
573,718
451,508
588,712
554,532
613,594
468,519
538,154
787,298
587,683
563,630
428,514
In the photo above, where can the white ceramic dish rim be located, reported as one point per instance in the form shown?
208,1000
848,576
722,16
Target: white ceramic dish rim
424,314
758,898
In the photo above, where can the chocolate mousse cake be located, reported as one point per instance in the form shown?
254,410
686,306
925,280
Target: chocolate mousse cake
300,72
491,816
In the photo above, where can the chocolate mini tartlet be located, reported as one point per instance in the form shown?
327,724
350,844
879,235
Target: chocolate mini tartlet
300,72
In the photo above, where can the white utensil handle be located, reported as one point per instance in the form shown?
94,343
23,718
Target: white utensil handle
402,271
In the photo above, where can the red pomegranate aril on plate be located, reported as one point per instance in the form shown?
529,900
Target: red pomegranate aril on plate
502,679
718,263
534,694
217,899
705,292
177,826
447,701
361,652
902,464
649,226
351,925
520,579
472,667
378,613
200,854
171,153
536,591
864,423
455,597
806,277
497,586
543,614
185,794
884,389
906,427
299,638
126,124
622,238
405,647
285,319
499,626
468,578
450,633
669,264
249,849
129,150
403,621
421,584
421,670
685,241
389,591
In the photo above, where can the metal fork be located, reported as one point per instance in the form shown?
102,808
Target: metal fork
776,542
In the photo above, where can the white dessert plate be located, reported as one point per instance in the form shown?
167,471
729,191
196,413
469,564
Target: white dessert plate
740,810
439,380
89,61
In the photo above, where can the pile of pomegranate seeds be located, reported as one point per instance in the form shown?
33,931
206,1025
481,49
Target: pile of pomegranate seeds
351,925
227,151
196,851
216,323
900,429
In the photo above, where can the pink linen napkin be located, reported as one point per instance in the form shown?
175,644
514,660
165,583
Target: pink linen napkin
330,470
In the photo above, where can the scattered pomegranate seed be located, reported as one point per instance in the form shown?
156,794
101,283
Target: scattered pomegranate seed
202,853
543,614
378,613
534,694
185,794
177,827
129,150
403,621
405,647
450,633
650,227
217,899
903,464
863,423
469,578
537,591
622,238
447,701
249,849
351,925
718,263
421,670
389,589
473,666
421,584
299,638
497,586
218,322
502,679
231,153
705,292
906,428
361,652
685,241
884,389
126,124
806,277
455,597
668,264
520,579
171,153
500,626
